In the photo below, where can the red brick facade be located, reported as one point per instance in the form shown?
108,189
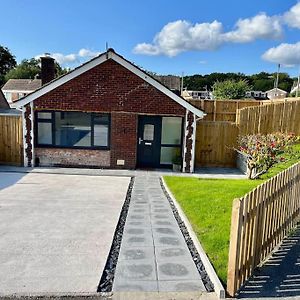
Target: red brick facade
72,157
111,88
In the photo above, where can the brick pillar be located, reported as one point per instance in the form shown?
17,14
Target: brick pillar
189,142
27,116
123,140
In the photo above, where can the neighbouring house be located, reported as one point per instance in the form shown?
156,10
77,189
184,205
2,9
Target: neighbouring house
3,102
295,88
14,89
170,81
276,93
197,95
108,113
257,95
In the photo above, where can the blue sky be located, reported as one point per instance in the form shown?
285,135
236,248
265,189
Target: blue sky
167,37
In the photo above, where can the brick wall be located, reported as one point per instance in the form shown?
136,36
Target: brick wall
72,157
124,137
111,88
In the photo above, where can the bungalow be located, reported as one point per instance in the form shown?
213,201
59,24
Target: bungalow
276,93
107,113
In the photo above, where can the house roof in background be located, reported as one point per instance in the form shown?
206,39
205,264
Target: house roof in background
110,54
3,102
23,85
274,89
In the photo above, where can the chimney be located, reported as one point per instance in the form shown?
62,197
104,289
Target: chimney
47,68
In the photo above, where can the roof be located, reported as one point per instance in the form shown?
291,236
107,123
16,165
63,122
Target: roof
110,54
22,85
274,89
10,112
3,101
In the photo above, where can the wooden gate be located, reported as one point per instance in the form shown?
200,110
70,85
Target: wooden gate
11,140
214,144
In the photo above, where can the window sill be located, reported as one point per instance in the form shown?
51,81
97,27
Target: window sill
72,148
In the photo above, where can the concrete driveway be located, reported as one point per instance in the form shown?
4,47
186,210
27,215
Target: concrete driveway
56,231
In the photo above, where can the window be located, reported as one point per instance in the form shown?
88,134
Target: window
148,132
72,129
8,97
171,135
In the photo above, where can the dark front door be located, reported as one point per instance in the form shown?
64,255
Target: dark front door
149,135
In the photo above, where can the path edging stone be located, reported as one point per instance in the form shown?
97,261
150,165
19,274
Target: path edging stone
218,287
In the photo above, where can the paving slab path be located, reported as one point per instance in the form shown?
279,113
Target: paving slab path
154,255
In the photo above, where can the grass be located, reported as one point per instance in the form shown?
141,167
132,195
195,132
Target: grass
207,203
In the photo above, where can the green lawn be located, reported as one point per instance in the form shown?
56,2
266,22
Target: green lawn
207,204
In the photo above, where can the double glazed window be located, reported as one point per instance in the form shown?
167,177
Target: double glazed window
171,134
72,129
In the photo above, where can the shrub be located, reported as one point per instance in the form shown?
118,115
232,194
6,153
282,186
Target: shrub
263,150
230,89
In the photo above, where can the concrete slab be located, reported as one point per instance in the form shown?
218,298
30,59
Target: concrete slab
139,270
181,286
177,270
56,231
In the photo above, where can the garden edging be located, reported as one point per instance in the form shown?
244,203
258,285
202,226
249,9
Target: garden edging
218,287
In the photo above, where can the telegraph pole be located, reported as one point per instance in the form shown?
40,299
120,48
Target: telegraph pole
298,82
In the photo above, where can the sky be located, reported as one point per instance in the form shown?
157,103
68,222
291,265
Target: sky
162,36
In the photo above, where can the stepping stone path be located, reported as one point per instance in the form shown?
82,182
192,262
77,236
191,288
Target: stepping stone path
154,255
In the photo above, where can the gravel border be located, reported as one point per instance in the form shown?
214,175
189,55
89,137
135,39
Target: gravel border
195,255
108,275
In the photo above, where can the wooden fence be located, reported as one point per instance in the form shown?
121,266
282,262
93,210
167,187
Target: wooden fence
214,142
223,110
260,220
275,117
11,140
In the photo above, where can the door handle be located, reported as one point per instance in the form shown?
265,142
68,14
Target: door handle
140,140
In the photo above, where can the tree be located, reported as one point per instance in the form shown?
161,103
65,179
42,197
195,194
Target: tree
7,62
262,81
59,71
230,89
30,68
27,69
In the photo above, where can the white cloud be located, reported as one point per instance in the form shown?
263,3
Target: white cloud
287,54
147,49
180,36
64,59
260,26
72,58
292,17
87,53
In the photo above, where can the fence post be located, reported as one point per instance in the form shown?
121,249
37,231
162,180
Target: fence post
233,259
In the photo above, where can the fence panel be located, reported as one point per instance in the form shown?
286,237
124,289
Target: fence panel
260,220
223,110
214,142
283,116
11,140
